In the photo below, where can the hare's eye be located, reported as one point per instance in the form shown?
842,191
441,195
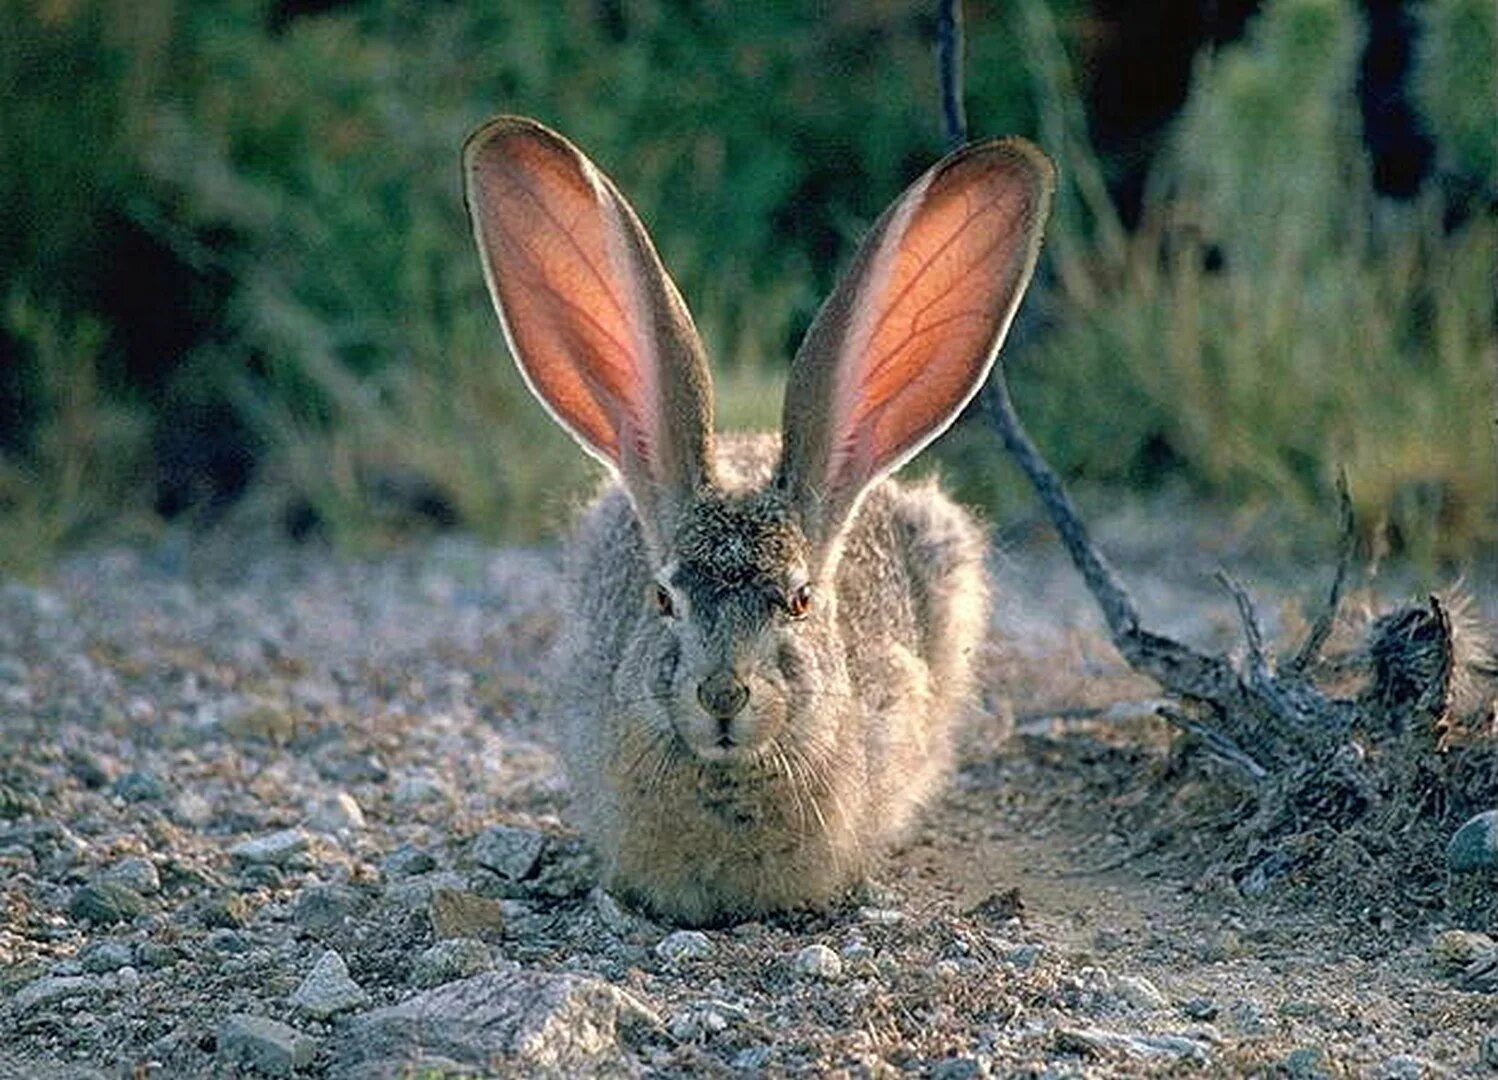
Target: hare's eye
799,602
663,602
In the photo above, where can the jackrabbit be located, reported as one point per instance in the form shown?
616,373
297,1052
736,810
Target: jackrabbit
766,640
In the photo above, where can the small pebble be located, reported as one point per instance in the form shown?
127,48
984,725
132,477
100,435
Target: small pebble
135,787
958,1068
53,990
277,849
1024,957
1307,1063
265,1045
190,808
1474,847
457,914
1200,1008
419,788
753,1058
338,813
232,911
820,962
1139,993
106,902
407,861
135,872
510,852
1406,1067
151,955
225,940
1487,1051
327,990
106,956
323,908
1453,950
682,945
450,960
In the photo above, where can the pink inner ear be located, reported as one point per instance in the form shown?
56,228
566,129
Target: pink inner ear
557,252
929,317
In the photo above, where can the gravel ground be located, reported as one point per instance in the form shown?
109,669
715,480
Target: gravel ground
275,812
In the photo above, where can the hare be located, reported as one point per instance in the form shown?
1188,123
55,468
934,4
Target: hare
767,639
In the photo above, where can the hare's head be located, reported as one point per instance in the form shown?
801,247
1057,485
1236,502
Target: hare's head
738,636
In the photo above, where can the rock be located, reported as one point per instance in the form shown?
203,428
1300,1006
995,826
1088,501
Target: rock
277,849
753,1058
504,1023
1200,1008
135,872
1487,1052
450,960
1453,950
106,902
54,989
149,954
421,787
106,956
16,859
190,808
1139,993
1406,1067
264,1045
1248,1017
338,813
959,1068
320,909
232,911
458,914
87,768
1096,1041
1025,957
225,940
1219,945
138,786
407,861
682,945
1307,1063
696,1022
416,892
820,962
509,852
327,990
1474,847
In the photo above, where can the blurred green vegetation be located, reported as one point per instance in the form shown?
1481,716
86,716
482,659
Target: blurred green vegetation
233,246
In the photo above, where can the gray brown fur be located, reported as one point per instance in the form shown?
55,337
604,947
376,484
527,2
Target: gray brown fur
874,679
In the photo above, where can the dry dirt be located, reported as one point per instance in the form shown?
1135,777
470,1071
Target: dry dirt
160,709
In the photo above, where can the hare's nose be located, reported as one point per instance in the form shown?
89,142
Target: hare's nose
723,694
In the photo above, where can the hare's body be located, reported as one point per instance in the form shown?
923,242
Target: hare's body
701,841
768,640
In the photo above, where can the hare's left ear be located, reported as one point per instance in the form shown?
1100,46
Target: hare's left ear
913,328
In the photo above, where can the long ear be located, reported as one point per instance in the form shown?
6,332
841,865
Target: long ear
913,328
594,322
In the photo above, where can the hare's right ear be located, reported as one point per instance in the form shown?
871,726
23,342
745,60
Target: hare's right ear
912,329
594,322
